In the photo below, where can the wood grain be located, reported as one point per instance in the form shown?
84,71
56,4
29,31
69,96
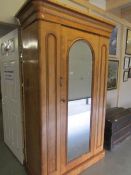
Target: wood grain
48,31
31,98
49,55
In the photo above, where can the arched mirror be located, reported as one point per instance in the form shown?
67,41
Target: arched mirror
79,99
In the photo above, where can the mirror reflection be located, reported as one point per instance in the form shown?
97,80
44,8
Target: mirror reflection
79,100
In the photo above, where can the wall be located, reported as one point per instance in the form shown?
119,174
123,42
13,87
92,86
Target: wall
8,9
121,96
99,3
68,2
112,95
125,87
71,4
112,98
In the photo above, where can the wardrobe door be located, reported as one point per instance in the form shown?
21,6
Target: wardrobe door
79,80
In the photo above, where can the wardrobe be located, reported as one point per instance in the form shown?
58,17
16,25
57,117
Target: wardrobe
64,72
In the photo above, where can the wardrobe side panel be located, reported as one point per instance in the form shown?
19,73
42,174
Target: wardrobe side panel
30,67
102,92
50,95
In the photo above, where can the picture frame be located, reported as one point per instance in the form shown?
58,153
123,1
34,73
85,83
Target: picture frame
125,76
126,63
113,67
128,42
113,43
129,73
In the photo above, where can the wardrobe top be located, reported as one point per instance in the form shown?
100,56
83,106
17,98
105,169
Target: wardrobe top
50,10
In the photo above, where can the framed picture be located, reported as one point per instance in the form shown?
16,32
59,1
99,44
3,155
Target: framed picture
128,42
112,74
125,76
126,63
113,42
129,73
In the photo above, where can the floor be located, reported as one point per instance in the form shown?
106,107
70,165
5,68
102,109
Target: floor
8,163
116,162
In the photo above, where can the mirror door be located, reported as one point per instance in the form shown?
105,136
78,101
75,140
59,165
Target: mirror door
78,96
80,61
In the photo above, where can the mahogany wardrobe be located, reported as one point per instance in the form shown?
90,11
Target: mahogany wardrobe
64,71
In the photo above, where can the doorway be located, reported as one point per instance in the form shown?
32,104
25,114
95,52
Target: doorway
11,122
4,29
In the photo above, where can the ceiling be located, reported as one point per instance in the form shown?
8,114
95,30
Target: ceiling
8,9
121,8
6,28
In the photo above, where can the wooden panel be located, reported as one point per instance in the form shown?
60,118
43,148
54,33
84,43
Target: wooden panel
52,102
49,76
61,14
101,96
31,98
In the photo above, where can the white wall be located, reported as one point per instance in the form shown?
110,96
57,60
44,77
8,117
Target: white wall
112,98
125,87
112,95
8,9
99,3
122,95
71,4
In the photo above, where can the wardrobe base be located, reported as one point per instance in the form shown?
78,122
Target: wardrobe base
82,167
